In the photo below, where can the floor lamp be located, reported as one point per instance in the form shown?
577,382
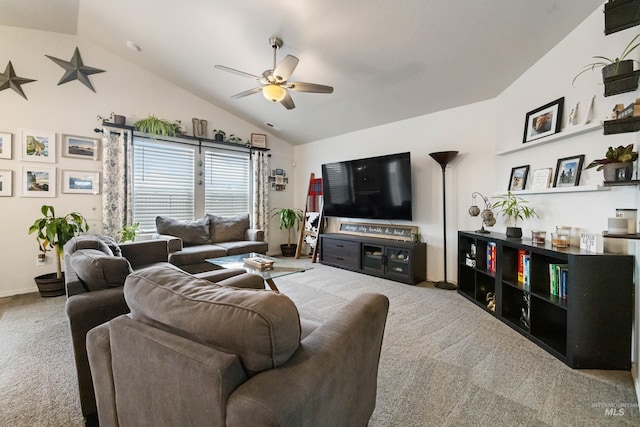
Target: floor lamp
444,157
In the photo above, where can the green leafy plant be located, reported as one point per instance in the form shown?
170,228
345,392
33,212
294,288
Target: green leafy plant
155,126
289,218
53,232
619,154
129,232
514,208
604,61
219,132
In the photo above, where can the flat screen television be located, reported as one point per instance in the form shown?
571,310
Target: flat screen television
372,188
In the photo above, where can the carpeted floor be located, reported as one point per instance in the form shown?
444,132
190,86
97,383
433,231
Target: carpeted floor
444,362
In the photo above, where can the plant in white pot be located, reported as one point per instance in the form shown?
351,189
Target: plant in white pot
52,233
288,219
617,164
514,208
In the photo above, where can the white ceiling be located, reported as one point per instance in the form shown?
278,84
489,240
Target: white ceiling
388,60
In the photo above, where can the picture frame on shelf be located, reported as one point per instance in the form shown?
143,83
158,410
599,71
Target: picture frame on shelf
38,146
543,121
541,178
6,183
80,182
259,140
518,178
568,171
38,181
6,145
80,147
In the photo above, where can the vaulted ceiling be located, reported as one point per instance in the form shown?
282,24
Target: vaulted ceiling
388,60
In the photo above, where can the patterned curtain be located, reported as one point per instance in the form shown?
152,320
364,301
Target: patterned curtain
260,214
116,181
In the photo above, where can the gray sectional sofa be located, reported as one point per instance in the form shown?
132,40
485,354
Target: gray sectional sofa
190,243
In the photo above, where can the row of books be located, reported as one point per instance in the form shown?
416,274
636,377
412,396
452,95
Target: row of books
524,260
558,274
491,257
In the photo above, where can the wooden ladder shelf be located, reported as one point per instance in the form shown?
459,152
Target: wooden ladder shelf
304,232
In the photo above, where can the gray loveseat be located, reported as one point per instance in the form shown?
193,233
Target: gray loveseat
241,357
212,236
95,271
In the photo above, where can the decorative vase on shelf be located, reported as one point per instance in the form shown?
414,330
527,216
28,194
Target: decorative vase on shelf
619,171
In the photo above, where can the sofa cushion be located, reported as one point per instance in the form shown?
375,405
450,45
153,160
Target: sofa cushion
98,270
196,254
244,246
260,326
191,232
228,228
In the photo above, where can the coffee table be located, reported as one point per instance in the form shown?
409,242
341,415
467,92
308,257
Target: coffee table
281,267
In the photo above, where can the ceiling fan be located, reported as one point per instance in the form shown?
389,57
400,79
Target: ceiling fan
275,81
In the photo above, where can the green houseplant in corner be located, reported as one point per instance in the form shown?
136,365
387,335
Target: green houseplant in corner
617,164
52,233
288,219
513,208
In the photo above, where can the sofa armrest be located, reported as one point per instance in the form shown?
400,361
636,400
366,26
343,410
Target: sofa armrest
246,281
340,358
99,354
145,252
254,235
174,244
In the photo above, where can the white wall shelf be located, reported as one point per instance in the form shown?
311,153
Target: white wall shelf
552,190
566,133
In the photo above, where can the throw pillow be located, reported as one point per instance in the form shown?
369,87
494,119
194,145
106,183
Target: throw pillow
191,232
229,228
98,270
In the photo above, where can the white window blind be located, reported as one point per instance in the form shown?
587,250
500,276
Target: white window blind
163,182
227,183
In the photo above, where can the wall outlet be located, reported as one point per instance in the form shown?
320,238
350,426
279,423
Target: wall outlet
41,260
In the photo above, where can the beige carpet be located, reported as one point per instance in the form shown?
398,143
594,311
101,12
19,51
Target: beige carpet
444,362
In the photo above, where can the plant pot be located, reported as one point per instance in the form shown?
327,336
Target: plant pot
288,250
49,285
218,137
119,120
621,171
622,67
514,232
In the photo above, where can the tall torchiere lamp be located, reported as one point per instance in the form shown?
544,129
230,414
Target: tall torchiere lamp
443,158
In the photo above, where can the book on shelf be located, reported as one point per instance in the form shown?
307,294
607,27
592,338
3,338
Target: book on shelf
259,263
491,257
526,269
558,276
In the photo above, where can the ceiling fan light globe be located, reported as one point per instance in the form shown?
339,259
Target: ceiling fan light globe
274,93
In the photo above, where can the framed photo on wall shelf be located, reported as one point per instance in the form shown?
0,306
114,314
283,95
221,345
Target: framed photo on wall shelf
38,146
259,140
543,121
568,171
518,179
38,181
80,147
80,182
6,145
541,178
6,183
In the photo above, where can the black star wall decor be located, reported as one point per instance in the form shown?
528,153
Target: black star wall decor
75,70
9,80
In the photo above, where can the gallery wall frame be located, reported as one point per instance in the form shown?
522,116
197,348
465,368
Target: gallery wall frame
38,146
38,181
6,183
80,147
568,171
543,121
6,145
80,182
518,178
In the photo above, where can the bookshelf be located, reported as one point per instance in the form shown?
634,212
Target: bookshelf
589,329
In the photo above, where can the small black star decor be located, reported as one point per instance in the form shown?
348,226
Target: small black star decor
75,70
9,80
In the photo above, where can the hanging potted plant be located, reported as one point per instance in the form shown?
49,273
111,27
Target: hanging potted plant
288,218
52,233
513,208
617,164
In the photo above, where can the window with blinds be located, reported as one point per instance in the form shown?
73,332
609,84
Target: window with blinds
227,183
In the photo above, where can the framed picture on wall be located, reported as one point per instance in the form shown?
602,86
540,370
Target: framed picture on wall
6,183
543,121
5,145
568,171
518,179
38,181
259,140
38,146
80,147
80,182
541,178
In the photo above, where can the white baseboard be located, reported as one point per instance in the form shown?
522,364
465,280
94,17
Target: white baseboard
12,292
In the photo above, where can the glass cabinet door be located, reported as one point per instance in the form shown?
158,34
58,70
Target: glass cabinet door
372,258
397,261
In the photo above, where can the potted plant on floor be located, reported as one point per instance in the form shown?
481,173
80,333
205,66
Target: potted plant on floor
513,208
288,218
52,234
617,164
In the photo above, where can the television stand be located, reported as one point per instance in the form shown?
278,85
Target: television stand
404,262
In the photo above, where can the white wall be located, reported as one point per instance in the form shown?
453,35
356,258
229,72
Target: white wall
72,108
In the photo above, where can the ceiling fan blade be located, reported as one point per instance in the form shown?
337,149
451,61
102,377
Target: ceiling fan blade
309,87
238,72
285,68
287,102
247,93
